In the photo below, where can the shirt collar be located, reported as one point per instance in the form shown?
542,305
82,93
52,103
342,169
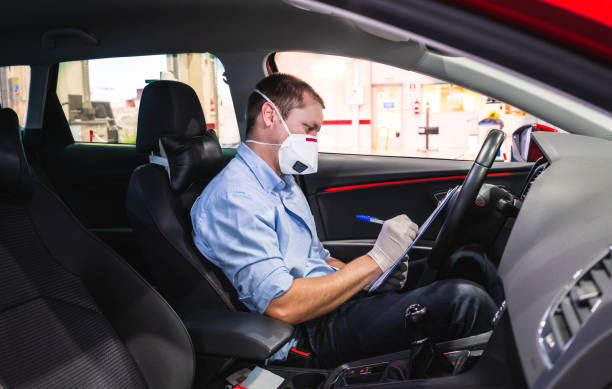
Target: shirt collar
267,178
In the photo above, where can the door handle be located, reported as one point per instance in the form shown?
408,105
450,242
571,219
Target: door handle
438,196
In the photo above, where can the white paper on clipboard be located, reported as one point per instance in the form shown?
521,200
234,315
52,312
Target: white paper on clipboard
422,229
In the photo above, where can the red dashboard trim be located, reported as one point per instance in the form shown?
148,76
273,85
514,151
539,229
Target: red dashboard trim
385,183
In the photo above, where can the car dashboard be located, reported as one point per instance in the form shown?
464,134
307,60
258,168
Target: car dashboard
556,267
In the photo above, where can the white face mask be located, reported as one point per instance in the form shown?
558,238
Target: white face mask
299,153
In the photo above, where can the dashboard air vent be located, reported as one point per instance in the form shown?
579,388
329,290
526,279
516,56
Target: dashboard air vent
572,310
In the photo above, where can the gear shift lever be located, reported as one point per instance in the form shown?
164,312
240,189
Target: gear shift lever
415,321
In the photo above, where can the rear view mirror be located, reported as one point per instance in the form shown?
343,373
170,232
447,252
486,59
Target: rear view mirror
523,147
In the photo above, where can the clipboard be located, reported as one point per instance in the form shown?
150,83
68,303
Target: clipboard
379,281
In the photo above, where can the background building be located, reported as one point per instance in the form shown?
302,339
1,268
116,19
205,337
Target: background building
14,87
372,108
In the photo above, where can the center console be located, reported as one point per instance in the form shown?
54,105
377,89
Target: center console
481,361
454,363
416,363
373,372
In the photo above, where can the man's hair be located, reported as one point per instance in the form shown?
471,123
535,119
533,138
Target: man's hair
285,91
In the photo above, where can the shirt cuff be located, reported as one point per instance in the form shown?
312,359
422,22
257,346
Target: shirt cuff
325,254
276,284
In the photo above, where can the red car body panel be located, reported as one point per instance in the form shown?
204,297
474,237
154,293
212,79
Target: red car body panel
585,25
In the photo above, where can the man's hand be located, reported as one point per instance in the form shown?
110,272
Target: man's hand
393,241
397,279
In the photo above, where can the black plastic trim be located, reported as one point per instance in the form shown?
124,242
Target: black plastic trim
237,334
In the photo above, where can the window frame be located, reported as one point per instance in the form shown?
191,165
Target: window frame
271,66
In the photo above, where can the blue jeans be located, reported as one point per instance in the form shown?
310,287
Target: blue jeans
367,326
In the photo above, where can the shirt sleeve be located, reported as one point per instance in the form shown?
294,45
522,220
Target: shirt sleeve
237,234
323,252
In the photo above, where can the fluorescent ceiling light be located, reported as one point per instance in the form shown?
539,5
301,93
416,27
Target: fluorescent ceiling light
455,96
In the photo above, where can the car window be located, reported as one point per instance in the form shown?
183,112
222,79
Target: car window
376,109
101,97
14,89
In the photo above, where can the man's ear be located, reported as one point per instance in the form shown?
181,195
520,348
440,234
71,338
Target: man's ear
267,114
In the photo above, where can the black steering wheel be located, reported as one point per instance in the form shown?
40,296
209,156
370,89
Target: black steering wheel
463,199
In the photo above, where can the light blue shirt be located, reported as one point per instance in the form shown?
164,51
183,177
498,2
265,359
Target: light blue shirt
257,227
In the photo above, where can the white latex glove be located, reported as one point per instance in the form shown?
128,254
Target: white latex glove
393,241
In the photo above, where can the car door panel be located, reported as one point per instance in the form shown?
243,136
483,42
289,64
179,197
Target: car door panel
382,186
353,248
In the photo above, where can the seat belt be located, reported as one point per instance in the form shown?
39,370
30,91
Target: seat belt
157,160
160,160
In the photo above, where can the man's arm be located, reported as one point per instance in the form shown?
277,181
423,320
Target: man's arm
308,298
338,264
312,297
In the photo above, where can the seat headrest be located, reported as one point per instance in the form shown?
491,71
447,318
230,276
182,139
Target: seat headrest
169,107
191,159
14,170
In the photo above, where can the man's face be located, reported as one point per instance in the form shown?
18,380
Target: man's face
304,120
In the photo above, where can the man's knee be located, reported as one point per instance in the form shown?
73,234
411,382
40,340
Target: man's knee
469,308
466,292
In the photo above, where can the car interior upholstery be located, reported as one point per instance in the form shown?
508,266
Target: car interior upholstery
87,310
158,202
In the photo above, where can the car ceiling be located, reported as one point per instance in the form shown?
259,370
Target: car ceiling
243,32
140,27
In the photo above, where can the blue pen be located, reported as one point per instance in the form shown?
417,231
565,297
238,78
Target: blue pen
370,219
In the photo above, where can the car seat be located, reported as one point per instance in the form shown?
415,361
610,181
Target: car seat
184,157
160,197
73,314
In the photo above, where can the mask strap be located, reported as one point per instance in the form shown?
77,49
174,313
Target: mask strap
276,109
261,143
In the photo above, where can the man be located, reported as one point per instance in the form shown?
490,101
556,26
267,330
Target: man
254,222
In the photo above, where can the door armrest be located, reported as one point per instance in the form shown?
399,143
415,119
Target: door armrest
244,335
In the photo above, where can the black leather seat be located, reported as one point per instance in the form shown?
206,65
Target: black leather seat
72,313
158,202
